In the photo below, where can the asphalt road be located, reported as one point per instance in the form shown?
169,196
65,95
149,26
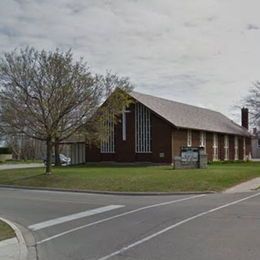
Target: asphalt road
88,226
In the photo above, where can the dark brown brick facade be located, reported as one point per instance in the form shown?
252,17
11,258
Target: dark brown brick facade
231,147
209,146
161,133
166,143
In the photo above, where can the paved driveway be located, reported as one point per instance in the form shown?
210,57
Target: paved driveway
89,226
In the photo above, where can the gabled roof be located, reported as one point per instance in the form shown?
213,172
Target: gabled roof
191,117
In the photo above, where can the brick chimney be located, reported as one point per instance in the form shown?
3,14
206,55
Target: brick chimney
244,117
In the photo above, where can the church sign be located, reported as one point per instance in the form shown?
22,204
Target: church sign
191,157
190,154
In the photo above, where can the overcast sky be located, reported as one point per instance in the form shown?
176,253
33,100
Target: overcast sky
202,52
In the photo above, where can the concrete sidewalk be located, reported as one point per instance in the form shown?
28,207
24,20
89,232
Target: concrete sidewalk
245,186
14,248
20,166
9,249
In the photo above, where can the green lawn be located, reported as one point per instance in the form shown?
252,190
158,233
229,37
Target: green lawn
135,178
5,231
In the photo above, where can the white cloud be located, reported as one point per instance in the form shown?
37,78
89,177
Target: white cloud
204,52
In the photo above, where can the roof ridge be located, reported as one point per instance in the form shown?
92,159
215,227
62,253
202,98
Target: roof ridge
215,121
182,103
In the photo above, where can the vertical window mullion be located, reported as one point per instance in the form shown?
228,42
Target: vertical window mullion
108,133
244,148
149,131
145,130
146,140
139,130
141,116
215,146
108,142
142,127
136,126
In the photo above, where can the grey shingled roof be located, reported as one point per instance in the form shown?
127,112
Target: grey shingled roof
191,117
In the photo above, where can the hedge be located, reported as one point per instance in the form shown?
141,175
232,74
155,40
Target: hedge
5,150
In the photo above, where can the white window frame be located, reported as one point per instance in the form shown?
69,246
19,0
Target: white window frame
203,140
215,147
226,147
108,142
244,148
236,148
124,123
143,140
189,138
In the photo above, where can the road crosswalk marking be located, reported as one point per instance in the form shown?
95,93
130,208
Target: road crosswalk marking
118,216
71,217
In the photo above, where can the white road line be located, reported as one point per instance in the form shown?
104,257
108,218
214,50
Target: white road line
71,217
117,216
122,250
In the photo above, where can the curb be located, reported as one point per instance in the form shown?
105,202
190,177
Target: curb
107,192
23,252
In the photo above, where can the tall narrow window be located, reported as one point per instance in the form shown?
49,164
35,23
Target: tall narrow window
142,129
108,141
236,148
226,147
215,147
189,138
244,148
124,112
203,140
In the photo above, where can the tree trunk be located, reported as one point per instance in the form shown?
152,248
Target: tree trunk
57,152
48,156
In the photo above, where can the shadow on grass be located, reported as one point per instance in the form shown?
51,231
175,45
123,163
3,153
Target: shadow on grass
22,178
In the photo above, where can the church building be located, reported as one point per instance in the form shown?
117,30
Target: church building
154,129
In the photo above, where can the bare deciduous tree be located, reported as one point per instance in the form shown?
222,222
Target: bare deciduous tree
252,102
49,97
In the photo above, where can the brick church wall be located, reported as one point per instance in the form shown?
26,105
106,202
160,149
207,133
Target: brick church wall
221,151
248,146
240,148
231,147
195,138
179,137
161,133
165,139
161,140
209,145
125,150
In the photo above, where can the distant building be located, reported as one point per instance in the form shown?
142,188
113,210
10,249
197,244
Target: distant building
154,130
